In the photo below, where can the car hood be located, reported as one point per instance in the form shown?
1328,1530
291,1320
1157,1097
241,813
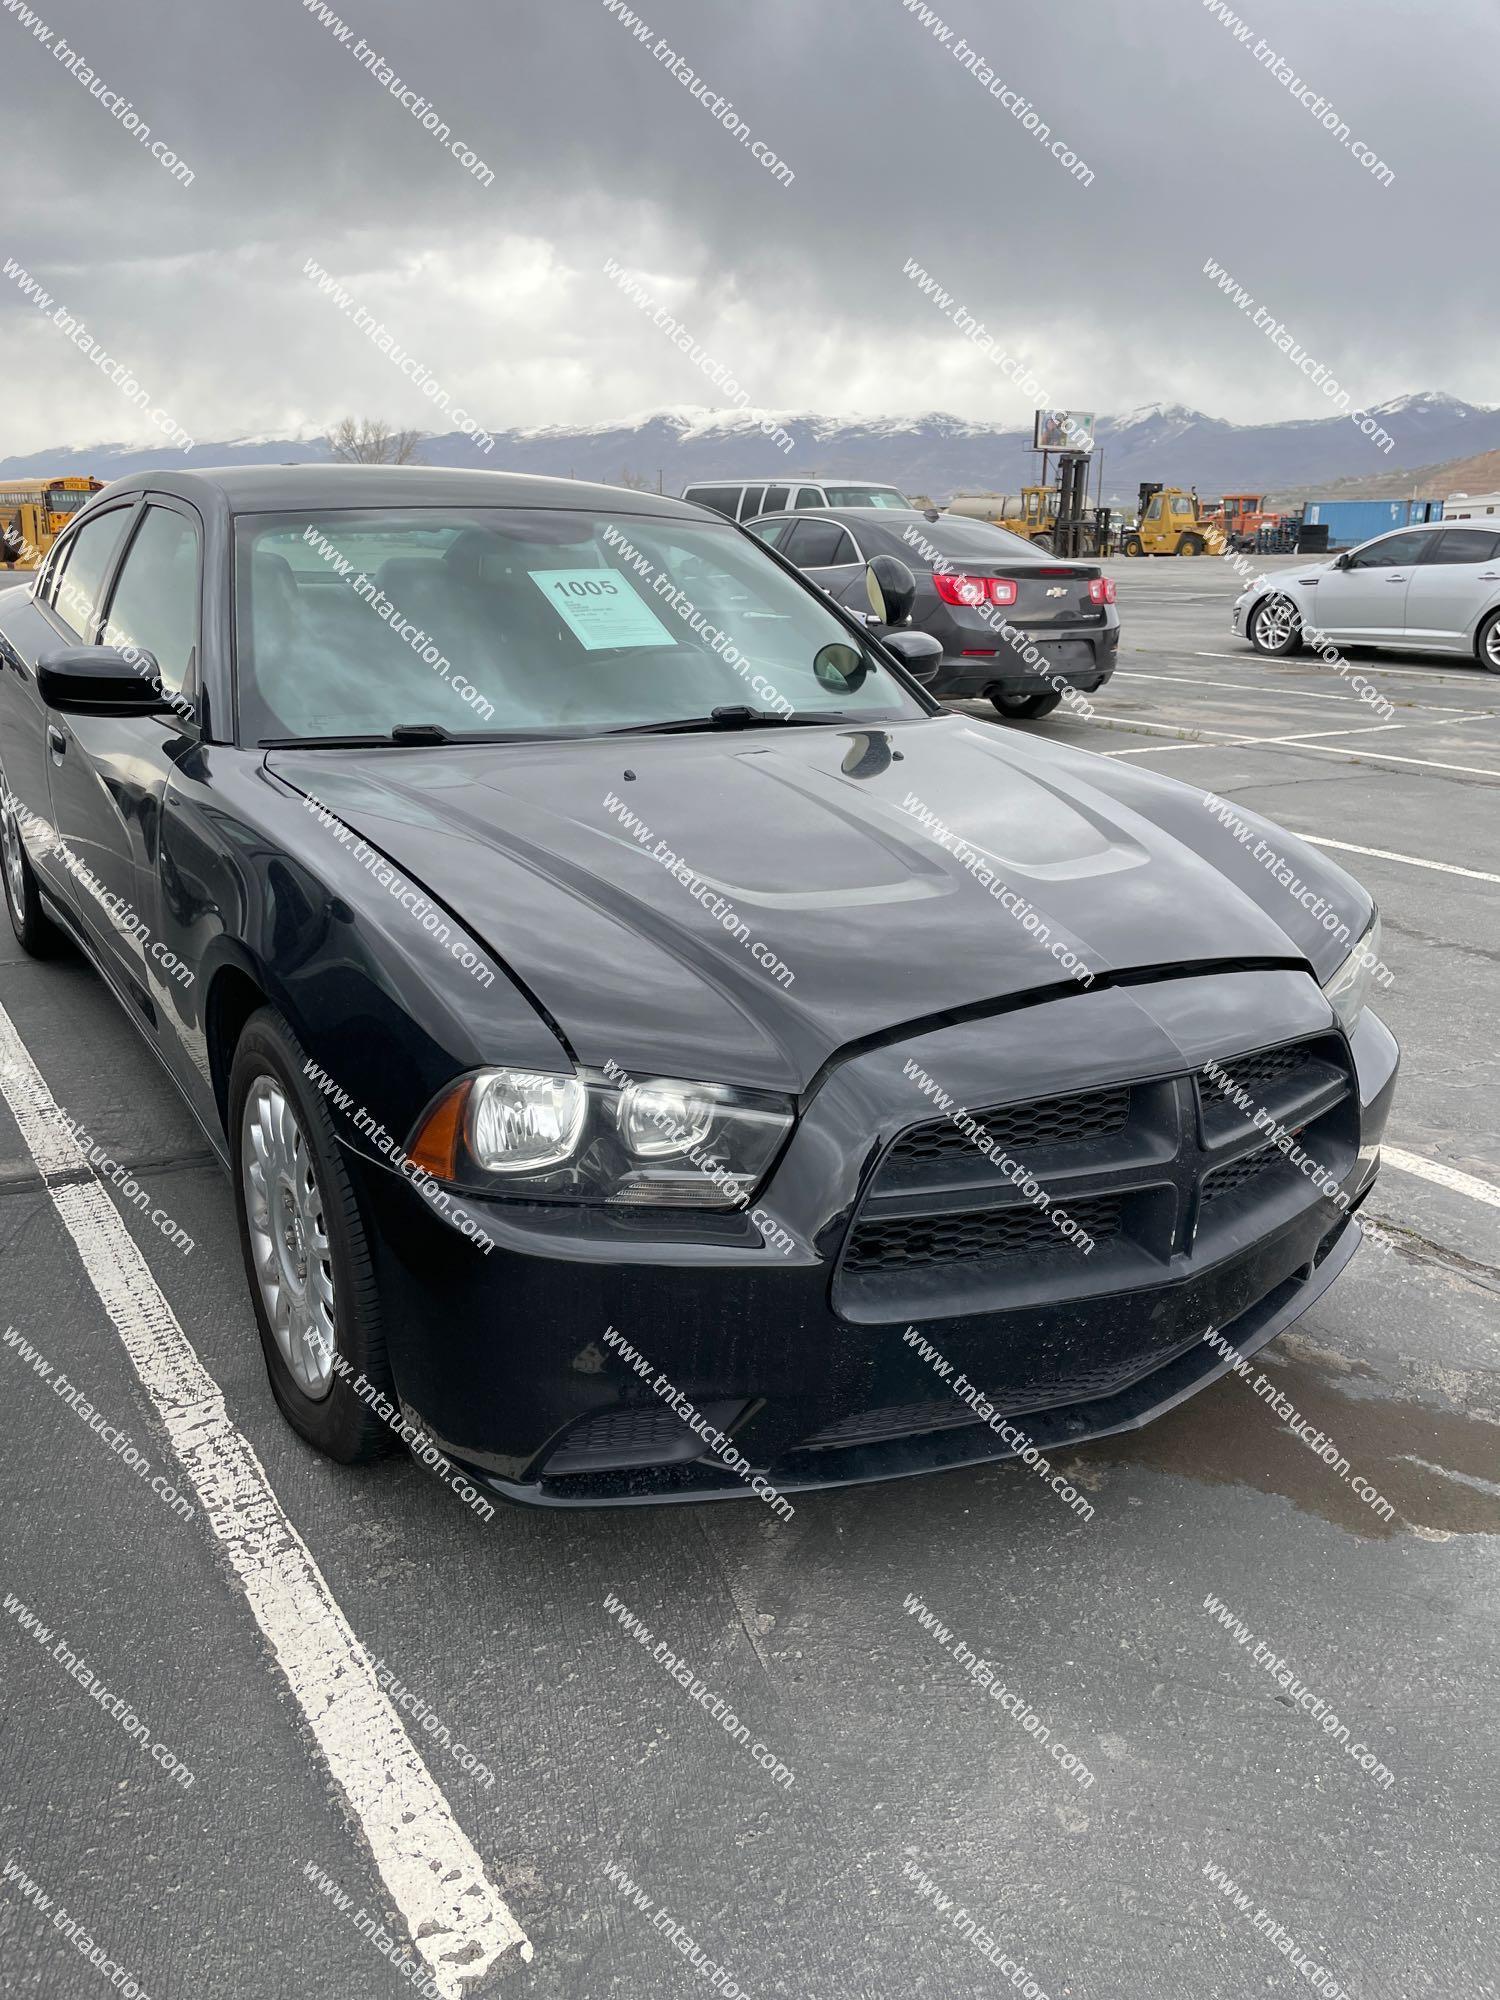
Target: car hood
640,888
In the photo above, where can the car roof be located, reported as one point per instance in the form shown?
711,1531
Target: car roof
259,489
798,479
847,517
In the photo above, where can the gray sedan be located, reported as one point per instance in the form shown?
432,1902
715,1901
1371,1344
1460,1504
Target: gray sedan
1433,589
1015,624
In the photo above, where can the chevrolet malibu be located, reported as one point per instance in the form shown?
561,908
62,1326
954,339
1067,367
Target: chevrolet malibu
620,994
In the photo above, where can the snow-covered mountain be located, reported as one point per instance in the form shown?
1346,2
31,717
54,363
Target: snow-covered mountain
937,454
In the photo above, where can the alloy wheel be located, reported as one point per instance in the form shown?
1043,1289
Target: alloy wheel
1275,624
14,855
289,1236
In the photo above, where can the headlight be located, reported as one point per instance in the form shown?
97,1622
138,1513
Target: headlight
1349,988
567,1137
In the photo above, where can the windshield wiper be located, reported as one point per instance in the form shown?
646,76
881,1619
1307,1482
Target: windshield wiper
729,718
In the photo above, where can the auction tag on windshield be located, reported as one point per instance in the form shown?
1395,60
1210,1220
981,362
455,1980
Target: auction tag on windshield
602,608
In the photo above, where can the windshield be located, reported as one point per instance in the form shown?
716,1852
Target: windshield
865,496
503,620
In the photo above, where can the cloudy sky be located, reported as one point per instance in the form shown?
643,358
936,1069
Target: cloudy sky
598,152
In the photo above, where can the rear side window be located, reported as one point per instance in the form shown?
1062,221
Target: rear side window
773,532
809,496
818,545
776,499
75,590
1181,504
154,604
752,502
723,499
1464,545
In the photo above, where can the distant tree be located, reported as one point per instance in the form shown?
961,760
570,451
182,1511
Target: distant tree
369,441
634,481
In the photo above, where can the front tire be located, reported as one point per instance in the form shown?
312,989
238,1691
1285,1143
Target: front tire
1276,627
1131,546
35,932
1025,707
1487,645
307,1261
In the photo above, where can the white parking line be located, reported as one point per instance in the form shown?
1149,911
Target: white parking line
1389,854
1448,1177
457,1918
1436,678
1305,736
1373,754
1264,689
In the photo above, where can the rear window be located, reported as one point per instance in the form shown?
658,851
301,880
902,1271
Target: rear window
954,537
865,496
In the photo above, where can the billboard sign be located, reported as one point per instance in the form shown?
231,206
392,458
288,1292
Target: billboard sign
1063,430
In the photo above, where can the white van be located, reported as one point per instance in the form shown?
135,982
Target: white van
742,500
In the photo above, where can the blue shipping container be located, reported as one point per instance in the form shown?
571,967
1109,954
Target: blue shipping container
1353,521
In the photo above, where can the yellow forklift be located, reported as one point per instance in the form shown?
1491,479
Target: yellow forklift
34,512
1169,523
1031,513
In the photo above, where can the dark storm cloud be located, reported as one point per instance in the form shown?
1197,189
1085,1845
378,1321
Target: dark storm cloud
297,152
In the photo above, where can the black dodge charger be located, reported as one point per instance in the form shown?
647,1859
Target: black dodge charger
577,934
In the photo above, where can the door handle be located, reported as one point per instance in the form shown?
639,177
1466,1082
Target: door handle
1395,579
57,743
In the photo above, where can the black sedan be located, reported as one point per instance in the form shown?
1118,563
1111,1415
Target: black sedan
637,1020
1017,625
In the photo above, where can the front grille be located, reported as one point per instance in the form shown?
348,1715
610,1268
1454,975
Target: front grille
1054,1121
1247,1168
896,1420
1141,1170
976,1234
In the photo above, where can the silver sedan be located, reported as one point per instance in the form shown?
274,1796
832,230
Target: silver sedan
1434,589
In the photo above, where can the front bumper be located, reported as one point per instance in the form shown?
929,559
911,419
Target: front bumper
800,1355
1077,656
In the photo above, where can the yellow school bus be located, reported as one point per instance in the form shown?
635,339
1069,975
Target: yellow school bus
34,512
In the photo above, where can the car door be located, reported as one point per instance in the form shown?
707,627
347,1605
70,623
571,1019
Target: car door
1363,596
827,555
109,773
1456,583
61,611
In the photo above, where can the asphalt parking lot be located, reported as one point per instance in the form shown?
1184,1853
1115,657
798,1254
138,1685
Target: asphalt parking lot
596,1758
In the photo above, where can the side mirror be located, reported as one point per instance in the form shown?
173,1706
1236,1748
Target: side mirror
891,589
101,680
918,652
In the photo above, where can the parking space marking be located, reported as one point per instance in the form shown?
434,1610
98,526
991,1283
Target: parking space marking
455,1915
1305,736
1270,689
1373,755
1435,679
1448,1177
1389,854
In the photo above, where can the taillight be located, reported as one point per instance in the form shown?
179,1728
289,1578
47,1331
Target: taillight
972,591
1102,590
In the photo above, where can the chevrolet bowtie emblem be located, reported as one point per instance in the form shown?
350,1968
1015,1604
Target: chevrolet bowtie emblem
1055,590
